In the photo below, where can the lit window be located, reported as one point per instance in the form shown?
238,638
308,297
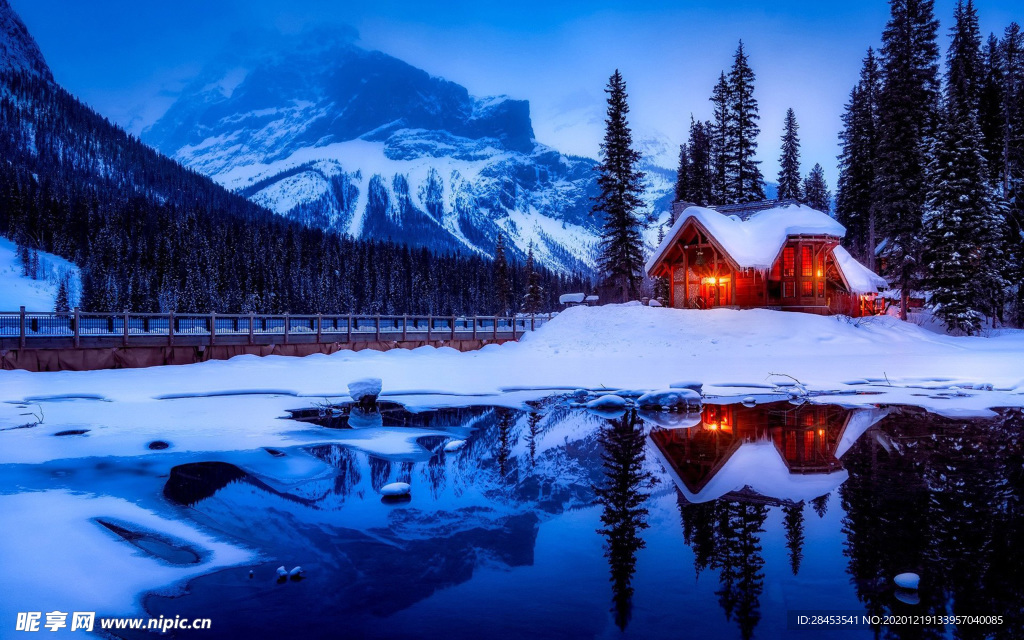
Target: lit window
788,289
821,288
806,288
806,262
788,262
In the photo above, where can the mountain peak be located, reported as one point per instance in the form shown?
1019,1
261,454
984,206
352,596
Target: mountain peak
18,49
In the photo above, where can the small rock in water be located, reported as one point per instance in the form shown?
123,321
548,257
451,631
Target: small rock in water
158,445
296,573
607,402
907,580
454,445
687,384
749,401
395,489
251,574
282,572
365,390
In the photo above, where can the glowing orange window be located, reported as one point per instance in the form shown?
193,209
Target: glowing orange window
788,262
806,262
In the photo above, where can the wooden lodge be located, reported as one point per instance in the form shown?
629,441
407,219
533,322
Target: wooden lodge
771,254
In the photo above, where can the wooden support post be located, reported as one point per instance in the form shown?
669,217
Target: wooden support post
453,328
287,321
319,328
430,325
22,325
476,320
405,328
252,326
376,328
495,328
213,328
170,328
78,333
686,279
124,339
533,326
348,329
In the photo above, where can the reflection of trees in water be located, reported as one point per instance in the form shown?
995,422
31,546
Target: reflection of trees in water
820,505
504,441
724,535
405,471
533,430
794,520
622,497
344,460
945,501
380,471
434,474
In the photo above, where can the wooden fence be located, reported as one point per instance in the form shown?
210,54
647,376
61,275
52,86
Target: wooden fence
87,330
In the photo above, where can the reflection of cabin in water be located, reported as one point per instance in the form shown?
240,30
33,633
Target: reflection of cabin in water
736,448
771,254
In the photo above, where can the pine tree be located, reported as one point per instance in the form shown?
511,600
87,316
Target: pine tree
534,292
62,303
816,193
1011,159
719,129
661,284
502,284
855,202
621,186
794,520
789,172
701,165
907,108
990,107
683,185
744,182
962,221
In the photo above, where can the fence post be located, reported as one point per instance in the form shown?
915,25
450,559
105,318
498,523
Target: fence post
453,328
125,339
405,328
495,328
348,329
430,325
476,319
319,328
170,328
533,327
22,324
252,326
376,328
78,334
287,321
213,328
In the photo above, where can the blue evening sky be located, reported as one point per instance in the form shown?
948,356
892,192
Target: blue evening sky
129,58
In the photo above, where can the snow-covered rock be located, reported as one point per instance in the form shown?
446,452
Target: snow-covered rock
687,384
606,402
296,573
282,572
654,303
365,390
908,580
395,489
669,399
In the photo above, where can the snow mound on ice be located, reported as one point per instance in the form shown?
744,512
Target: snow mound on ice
395,489
670,399
607,402
368,388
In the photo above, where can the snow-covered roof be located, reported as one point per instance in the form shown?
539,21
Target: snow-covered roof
568,298
755,242
860,278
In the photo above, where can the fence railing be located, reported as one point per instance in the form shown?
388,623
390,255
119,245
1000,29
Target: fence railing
77,328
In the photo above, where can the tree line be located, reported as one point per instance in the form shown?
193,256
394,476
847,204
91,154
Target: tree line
151,235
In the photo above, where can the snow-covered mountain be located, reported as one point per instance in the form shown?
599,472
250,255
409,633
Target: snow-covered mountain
337,136
18,49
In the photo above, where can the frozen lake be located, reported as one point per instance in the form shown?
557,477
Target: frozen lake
554,521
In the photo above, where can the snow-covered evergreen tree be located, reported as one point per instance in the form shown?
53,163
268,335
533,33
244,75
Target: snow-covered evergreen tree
62,303
502,284
721,100
789,173
744,182
816,193
907,114
683,183
534,292
855,202
619,200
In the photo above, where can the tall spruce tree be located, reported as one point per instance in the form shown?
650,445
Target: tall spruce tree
621,186
683,182
964,255
990,107
534,292
789,173
701,166
744,182
1011,159
855,202
816,193
721,101
907,108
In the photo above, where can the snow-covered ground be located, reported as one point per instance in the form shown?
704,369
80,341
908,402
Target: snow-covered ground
235,407
17,290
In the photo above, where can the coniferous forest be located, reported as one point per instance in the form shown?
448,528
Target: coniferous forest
150,235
